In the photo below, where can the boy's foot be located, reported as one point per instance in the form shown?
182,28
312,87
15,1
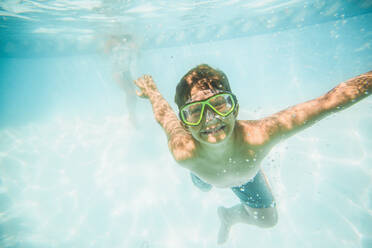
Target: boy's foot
223,233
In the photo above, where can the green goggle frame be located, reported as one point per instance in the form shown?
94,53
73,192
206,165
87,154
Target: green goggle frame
223,104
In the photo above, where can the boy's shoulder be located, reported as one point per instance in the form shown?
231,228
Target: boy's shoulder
252,132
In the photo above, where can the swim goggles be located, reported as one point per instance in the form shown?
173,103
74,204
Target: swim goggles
223,104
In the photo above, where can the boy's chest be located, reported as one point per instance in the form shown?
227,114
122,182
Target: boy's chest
236,157
229,170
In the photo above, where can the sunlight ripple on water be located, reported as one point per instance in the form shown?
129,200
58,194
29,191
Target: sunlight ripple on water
82,164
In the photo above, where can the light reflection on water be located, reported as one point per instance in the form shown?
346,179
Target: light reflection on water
96,181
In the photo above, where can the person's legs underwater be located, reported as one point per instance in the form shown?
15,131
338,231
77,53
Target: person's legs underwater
257,207
124,80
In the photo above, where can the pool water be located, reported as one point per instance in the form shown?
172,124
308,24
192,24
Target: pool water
84,164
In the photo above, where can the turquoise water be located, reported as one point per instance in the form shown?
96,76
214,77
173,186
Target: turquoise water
75,171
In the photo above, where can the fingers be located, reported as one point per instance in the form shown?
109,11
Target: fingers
138,82
147,77
143,83
141,94
143,80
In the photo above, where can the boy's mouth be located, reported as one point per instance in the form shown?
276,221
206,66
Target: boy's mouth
213,130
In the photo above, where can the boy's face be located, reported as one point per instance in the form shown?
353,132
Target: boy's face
213,128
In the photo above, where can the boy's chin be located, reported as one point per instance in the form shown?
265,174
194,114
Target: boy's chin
213,138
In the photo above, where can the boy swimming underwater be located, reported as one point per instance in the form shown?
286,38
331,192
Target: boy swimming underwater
222,151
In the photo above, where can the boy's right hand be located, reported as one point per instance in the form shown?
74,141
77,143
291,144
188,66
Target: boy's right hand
146,85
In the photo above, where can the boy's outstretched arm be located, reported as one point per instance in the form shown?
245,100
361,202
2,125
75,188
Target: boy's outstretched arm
180,142
298,117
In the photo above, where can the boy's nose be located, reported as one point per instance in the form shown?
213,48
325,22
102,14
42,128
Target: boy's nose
209,115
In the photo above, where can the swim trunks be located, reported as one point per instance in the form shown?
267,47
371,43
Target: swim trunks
255,193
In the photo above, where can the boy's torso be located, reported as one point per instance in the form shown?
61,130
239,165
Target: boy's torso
232,167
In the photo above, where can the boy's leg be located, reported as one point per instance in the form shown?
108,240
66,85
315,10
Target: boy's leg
257,207
203,186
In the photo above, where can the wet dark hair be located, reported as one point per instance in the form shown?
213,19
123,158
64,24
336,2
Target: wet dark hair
203,77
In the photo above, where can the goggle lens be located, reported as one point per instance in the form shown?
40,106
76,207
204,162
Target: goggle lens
193,112
222,104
